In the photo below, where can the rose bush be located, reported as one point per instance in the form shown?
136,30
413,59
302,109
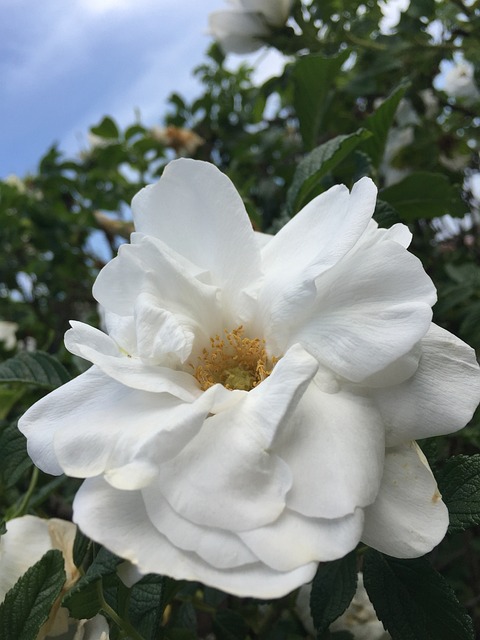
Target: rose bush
243,27
27,539
253,406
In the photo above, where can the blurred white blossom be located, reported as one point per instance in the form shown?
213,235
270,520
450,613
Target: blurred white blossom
460,81
8,334
243,27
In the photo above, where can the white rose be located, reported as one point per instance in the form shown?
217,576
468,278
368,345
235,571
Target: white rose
8,335
460,82
27,539
252,407
242,28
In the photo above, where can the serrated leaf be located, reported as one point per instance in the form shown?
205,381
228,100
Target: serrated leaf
38,368
379,124
333,588
84,600
14,459
413,601
317,164
459,484
314,80
421,195
385,214
147,604
27,605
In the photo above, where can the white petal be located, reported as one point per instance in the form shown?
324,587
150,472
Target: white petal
311,243
24,543
220,548
119,521
334,447
150,266
275,11
227,476
237,32
408,517
371,309
439,398
294,540
95,346
94,424
196,210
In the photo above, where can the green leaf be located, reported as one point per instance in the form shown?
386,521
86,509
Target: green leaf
314,83
379,124
106,129
85,599
333,588
27,605
459,484
413,601
318,163
38,368
421,195
14,459
147,604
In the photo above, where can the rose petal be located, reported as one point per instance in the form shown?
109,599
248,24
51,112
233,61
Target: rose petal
408,518
150,266
439,398
311,243
190,197
95,346
295,540
118,520
334,448
371,308
221,548
91,425
227,476
236,31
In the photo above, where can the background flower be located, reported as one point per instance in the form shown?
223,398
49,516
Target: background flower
27,539
242,28
252,393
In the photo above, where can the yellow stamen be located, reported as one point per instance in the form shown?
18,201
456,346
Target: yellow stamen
236,362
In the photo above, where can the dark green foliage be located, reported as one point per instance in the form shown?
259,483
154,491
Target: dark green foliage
413,601
27,605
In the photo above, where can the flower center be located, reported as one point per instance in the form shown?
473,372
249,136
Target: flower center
235,361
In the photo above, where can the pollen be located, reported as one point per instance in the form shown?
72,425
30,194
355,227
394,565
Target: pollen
235,361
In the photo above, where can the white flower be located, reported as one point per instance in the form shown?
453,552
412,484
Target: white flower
8,332
460,82
251,410
242,28
359,618
27,539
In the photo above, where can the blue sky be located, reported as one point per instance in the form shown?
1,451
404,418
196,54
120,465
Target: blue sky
66,63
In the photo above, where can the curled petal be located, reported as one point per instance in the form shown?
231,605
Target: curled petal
408,518
439,398
130,370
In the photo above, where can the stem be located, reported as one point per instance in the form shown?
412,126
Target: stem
124,626
22,508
